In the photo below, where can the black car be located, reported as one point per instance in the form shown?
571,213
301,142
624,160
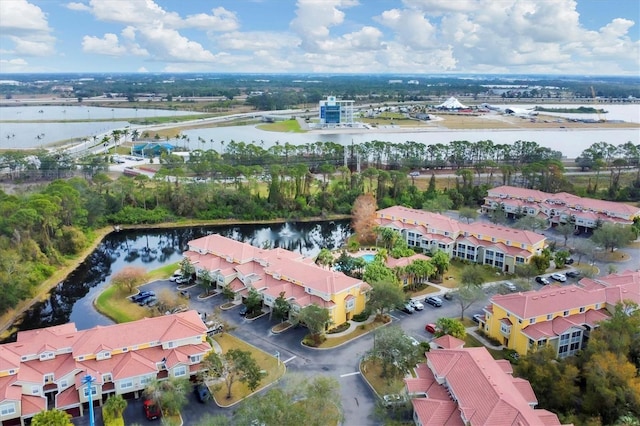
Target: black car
573,274
543,280
202,392
434,301
137,298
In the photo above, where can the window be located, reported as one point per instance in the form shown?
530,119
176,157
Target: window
504,328
532,321
180,371
145,380
170,344
351,304
597,306
94,391
549,317
64,383
7,409
104,355
46,355
195,358
582,309
565,313
493,240
35,390
48,378
106,377
125,385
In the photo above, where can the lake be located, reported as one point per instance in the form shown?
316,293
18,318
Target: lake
81,112
72,299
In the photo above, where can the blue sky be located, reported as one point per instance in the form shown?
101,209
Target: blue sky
568,37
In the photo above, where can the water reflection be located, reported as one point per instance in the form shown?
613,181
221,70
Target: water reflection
72,299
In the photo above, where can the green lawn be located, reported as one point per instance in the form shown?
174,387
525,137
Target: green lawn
371,371
273,369
287,126
113,303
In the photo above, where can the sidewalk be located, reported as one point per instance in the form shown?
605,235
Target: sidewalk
473,331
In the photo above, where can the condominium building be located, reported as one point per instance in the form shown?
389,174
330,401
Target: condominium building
560,316
45,368
498,246
584,213
240,267
466,386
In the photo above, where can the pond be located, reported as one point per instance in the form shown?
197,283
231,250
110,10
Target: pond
72,299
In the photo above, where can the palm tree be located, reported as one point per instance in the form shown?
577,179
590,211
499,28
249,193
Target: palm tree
115,405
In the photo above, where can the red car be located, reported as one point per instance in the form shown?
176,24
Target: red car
151,410
431,328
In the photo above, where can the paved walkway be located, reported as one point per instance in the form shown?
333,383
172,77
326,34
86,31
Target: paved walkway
473,331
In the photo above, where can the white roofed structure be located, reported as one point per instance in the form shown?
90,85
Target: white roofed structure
451,103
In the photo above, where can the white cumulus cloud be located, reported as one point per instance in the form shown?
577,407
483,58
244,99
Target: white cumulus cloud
27,27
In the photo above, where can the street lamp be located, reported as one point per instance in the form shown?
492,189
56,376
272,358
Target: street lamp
88,380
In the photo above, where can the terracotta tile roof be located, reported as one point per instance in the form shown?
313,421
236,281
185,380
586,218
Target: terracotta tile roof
448,342
224,247
68,398
8,359
435,412
420,217
485,394
147,330
9,391
133,364
570,200
405,261
502,232
559,325
547,300
32,405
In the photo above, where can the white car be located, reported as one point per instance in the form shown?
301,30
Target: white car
559,277
509,286
417,305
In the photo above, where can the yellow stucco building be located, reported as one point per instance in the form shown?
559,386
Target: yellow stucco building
560,316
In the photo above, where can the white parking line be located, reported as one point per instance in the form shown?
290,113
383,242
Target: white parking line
396,318
350,374
290,359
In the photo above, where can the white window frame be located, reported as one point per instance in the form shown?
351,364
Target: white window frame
179,371
7,409
126,385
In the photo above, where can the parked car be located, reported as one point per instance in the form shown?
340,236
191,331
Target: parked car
392,399
569,261
151,410
434,301
414,341
559,277
477,318
407,308
151,301
185,294
431,328
414,174
243,310
177,274
181,280
448,296
573,274
543,280
141,296
509,286
417,305
202,392
214,327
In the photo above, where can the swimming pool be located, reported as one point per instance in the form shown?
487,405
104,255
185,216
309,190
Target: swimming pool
368,257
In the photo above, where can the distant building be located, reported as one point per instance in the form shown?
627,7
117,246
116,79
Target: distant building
583,213
498,246
335,112
395,81
466,387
